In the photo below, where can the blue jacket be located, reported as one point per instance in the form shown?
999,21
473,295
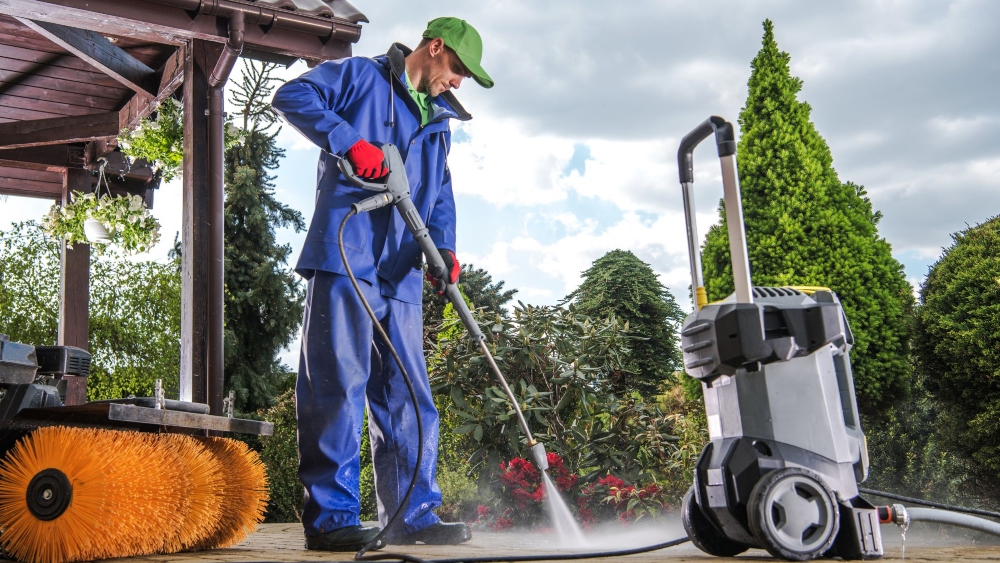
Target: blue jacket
339,103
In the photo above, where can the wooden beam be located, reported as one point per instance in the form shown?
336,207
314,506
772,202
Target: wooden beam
70,65
175,26
58,130
28,182
56,76
30,188
171,78
97,51
52,158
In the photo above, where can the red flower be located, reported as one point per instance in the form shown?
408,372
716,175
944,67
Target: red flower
501,524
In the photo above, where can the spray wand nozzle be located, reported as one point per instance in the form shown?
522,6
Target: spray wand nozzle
536,450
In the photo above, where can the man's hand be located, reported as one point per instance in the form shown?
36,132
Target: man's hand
452,269
368,160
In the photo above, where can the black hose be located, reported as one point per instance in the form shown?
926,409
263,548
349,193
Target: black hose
360,555
929,503
543,557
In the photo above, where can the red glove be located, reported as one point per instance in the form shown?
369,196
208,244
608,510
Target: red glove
368,160
452,269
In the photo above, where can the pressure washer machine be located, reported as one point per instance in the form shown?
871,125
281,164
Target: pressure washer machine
786,450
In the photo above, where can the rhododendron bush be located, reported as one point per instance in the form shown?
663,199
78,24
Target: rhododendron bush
521,496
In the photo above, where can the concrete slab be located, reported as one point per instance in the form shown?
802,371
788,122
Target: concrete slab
284,543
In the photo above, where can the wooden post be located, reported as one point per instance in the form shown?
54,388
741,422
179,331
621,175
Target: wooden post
202,281
74,290
195,229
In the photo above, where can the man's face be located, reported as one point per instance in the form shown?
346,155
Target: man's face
444,71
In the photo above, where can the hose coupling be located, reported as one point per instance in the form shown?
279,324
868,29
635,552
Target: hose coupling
893,514
537,452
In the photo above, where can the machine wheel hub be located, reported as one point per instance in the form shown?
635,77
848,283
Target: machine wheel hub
48,494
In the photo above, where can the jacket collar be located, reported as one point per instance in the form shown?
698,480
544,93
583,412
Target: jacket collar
396,59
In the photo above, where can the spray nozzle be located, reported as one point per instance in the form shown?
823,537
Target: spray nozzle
537,452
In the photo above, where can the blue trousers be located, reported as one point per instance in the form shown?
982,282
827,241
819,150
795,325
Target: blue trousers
341,368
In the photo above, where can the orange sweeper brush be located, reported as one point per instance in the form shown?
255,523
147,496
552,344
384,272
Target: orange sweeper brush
244,492
79,494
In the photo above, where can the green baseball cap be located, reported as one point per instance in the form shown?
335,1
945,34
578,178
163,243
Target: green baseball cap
462,38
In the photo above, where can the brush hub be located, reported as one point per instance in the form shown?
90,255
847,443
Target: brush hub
49,494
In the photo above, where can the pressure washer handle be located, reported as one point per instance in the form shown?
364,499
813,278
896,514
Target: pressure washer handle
726,143
392,161
724,139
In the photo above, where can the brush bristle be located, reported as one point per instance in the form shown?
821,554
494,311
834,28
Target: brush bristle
143,507
204,490
244,491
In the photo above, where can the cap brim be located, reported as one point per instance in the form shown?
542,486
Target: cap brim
478,74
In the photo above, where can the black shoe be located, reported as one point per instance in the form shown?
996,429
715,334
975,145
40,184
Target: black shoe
451,533
348,538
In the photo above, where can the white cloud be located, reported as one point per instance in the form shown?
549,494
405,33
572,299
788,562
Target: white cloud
497,262
505,166
949,126
661,243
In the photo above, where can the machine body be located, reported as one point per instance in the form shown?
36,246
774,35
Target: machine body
786,450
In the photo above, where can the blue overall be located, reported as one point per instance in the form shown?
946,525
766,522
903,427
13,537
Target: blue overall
343,366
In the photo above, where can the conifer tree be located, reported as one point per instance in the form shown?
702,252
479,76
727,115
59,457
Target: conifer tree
805,227
263,298
621,284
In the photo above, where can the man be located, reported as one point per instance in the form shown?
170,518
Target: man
349,107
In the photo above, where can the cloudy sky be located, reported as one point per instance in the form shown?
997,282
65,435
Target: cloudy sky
573,152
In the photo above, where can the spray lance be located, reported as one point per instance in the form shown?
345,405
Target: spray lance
395,190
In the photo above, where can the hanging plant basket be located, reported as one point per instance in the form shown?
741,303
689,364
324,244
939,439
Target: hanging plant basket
95,231
104,220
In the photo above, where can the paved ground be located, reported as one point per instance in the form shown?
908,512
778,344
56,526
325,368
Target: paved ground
283,543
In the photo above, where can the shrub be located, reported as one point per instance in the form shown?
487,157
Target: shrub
610,499
280,455
556,363
459,495
957,348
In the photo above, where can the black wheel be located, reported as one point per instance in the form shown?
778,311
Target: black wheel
793,514
703,533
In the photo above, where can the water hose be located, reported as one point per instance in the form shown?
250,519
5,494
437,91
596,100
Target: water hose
902,516
953,518
930,504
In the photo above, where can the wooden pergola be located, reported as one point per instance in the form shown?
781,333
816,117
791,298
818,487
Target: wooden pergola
73,73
